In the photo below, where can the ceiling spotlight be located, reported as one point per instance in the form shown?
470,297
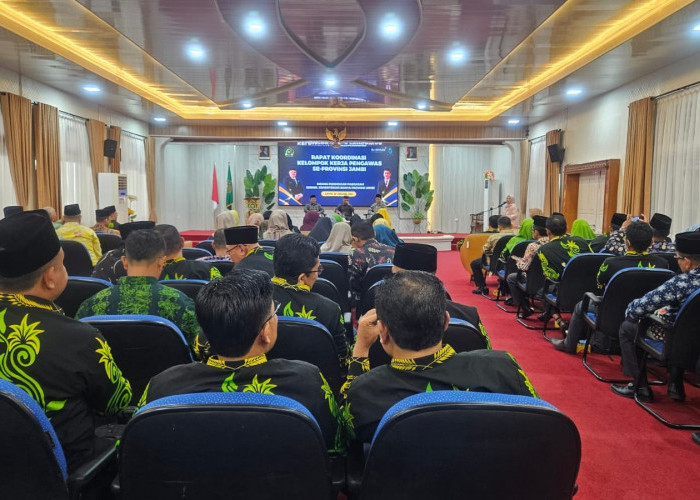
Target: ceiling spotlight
330,81
93,89
390,27
574,92
246,104
253,25
696,27
513,121
281,124
422,106
159,119
458,55
392,124
196,52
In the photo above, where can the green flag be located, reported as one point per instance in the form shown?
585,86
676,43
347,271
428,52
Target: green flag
229,190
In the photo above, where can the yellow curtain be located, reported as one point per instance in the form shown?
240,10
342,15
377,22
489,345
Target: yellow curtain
17,118
551,176
96,138
151,178
46,151
636,193
115,133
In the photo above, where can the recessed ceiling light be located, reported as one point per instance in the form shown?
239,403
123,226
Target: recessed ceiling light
195,51
696,27
159,119
330,81
390,27
247,104
574,92
513,121
458,55
254,25
93,89
392,124
281,124
421,106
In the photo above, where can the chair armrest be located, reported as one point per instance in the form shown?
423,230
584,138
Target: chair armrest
88,470
589,297
354,469
337,468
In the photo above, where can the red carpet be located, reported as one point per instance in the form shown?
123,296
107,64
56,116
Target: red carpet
626,453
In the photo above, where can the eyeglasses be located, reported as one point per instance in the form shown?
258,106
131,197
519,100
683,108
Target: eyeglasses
679,257
229,250
319,270
274,313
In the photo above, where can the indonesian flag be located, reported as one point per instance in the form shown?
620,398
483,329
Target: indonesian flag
214,191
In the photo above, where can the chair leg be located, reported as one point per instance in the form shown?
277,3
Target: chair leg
584,360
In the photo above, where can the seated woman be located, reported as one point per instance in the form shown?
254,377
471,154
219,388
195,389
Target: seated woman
340,239
256,219
321,230
383,234
277,225
310,219
227,219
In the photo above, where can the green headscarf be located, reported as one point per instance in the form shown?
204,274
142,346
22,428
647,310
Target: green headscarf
581,228
337,218
524,234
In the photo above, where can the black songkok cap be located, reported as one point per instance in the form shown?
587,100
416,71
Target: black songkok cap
415,257
558,213
539,221
129,227
71,210
688,243
241,235
28,241
661,222
101,215
110,210
12,210
617,219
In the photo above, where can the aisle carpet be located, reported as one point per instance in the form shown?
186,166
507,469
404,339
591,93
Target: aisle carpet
626,453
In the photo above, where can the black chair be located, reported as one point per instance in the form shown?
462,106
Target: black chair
195,253
671,259
338,275
224,266
142,346
76,258
681,348
327,289
460,334
531,283
579,276
456,445
492,262
188,287
341,258
32,461
374,274
206,245
310,341
508,267
223,445
78,289
266,242
608,312
109,241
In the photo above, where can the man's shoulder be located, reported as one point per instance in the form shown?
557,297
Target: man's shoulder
170,292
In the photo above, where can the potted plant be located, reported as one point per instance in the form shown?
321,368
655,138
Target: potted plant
416,195
253,182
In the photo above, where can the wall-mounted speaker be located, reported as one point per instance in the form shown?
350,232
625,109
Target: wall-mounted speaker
556,153
110,148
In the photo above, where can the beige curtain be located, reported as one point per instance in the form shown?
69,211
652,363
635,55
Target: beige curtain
636,193
17,118
46,151
524,150
96,136
115,133
151,178
551,179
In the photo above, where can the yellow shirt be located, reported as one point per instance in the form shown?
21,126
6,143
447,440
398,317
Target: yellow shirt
84,235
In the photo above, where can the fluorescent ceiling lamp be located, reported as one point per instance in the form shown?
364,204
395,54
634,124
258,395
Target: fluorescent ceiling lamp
392,124
281,124
93,89
159,119
421,106
513,121
247,104
574,92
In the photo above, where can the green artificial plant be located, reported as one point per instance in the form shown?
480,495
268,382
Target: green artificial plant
416,195
253,182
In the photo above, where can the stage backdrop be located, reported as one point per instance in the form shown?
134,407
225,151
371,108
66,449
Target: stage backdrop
359,170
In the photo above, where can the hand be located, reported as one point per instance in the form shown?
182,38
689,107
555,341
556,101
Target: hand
367,333
298,196
642,218
627,222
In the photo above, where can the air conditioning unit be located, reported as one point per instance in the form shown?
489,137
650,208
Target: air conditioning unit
112,190
492,196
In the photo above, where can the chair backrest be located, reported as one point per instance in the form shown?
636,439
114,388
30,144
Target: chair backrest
472,445
327,289
671,259
267,242
195,253
338,275
142,345
460,334
78,289
188,287
76,259
109,241
498,249
224,266
684,342
535,277
374,274
310,341
223,445
625,286
518,251
31,458
579,276
341,258
206,245
367,300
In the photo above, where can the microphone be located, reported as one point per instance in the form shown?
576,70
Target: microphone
499,206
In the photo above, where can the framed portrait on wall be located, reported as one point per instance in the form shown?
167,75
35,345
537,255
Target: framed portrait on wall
411,153
263,152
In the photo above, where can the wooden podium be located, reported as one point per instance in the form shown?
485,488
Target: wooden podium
477,223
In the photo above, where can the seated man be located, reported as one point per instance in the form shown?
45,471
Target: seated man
477,265
345,208
238,318
493,224
53,216
367,252
296,270
637,241
374,207
139,291
312,205
112,213
665,301
110,267
176,266
598,243
539,232
102,223
409,320
218,244
72,229
65,365
660,223
243,249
